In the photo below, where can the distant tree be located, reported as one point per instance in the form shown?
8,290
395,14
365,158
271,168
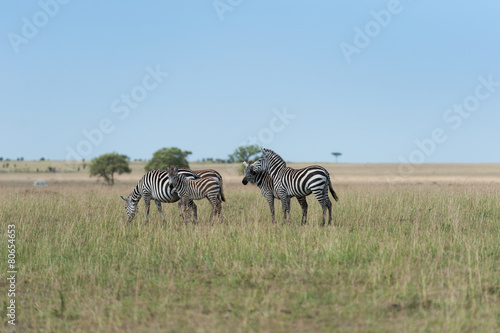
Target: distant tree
244,153
107,165
336,156
42,159
168,156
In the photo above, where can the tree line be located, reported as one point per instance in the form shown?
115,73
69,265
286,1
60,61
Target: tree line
107,165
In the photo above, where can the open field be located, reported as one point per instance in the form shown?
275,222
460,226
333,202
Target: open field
418,253
25,173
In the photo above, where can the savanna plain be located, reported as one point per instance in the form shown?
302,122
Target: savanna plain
408,251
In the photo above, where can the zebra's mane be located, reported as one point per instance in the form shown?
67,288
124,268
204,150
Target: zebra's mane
274,158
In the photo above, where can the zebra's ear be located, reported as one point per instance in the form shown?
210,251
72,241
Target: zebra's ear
245,164
176,169
126,199
265,151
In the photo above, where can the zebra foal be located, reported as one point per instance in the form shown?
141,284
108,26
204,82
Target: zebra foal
289,182
197,189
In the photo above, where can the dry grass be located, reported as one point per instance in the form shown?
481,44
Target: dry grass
420,255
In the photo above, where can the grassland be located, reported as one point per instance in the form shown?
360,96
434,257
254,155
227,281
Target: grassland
419,254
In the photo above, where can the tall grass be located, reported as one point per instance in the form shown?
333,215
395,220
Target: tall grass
409,258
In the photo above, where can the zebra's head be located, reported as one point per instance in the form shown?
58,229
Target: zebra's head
250,175
131,207
269,161
262,164
173,177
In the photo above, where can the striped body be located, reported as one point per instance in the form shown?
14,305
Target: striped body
197,189
153,185
289,182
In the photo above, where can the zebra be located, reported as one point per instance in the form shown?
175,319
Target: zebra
154,185
202,174
289,182
197,189
264,181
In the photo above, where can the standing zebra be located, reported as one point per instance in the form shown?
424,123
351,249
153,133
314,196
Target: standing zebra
289,182
154,185
197,189
264,181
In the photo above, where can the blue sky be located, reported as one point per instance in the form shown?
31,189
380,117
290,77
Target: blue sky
379,81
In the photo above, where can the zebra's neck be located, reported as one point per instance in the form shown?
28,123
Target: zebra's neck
182,182
136,195
276,164
260,178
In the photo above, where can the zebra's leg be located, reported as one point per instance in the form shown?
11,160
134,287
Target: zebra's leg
218,209
270,201
158,205
212,212
215,202
324,201
186,210
329,205
285,203
194,208
303,203
147,200
179,205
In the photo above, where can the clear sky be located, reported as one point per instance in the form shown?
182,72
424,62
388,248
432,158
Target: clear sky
378,81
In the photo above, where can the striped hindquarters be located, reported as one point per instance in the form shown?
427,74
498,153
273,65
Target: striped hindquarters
197,189
210,173
302,182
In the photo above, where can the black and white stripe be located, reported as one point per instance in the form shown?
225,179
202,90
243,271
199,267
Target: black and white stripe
289,182
205,173
197,189
264,181
154,185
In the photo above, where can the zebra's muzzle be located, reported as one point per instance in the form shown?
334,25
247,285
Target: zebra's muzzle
245,181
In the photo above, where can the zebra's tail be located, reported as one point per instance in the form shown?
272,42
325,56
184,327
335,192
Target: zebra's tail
221,193
332,191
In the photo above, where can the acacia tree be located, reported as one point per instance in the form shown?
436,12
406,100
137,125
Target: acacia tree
107,165
244,153
336,156
168,156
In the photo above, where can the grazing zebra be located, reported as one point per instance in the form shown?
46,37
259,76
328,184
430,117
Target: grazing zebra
154,185
197,189
288,182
